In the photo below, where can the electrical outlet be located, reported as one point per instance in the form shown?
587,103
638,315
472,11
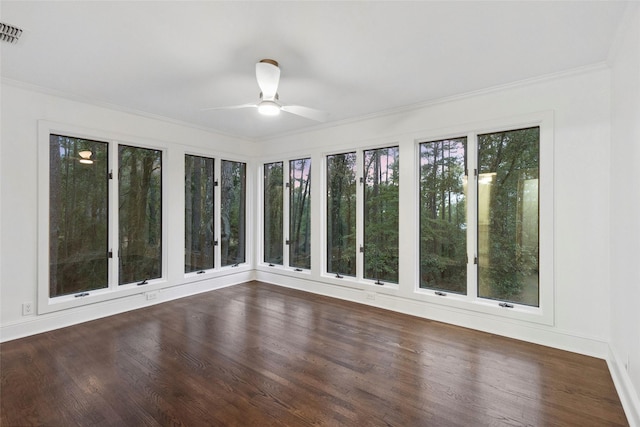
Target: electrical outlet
27,308
371,296
151,295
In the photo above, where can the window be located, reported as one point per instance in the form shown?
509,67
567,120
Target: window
273,213
233,213
299,213
508,216
504,235
381,191
199,187
443,215
78,215
139,214
104,226
341,214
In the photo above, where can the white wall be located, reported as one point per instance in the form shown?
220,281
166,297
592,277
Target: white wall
22,109
625,213
581,106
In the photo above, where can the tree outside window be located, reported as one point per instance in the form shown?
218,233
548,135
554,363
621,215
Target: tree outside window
381,191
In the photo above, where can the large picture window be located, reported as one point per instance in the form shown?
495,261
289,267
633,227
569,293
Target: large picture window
508,216
233,190
341,214
139,214
299,213
199,187
381,191
91,223
78,215
443,215
273,213
504,235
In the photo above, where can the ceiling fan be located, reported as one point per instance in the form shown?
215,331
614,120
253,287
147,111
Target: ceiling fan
268,77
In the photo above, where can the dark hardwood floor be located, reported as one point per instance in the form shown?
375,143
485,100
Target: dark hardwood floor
262,355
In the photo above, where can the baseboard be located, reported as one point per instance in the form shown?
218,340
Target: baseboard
626,391
60,319
520,330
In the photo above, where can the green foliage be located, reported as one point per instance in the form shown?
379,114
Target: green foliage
273,213
300,213
443,219
78,217
199,223
509,253
232,212
341,214
139,213
381,214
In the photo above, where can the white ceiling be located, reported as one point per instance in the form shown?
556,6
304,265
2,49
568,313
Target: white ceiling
350,59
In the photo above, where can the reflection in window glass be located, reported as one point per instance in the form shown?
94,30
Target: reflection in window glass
381,188
78,215
233,212
443,215
508,172
140,213
299,213
341,214
198,213
273,210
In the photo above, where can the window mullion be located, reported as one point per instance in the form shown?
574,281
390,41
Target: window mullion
472,215
360,216
113,215
285,212
217,209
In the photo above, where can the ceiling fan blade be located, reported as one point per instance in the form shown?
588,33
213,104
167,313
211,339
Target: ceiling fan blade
309,113
230,107
268,77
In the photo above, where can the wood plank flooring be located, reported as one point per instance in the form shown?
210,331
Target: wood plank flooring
261,355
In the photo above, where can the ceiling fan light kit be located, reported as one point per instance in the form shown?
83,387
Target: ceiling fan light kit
268,108
268,77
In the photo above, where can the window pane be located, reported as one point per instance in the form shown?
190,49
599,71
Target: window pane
508,216
140,213
443,215
232,212
78,215
198,213
273,234
299,215
341,214
381,187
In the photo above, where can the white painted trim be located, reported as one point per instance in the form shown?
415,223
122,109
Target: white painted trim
626,392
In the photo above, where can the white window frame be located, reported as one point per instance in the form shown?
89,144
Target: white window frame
544,313
47,304
359,281
285,267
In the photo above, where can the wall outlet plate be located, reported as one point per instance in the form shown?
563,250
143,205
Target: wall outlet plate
27,308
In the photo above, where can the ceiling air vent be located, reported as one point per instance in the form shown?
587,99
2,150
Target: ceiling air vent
9,33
